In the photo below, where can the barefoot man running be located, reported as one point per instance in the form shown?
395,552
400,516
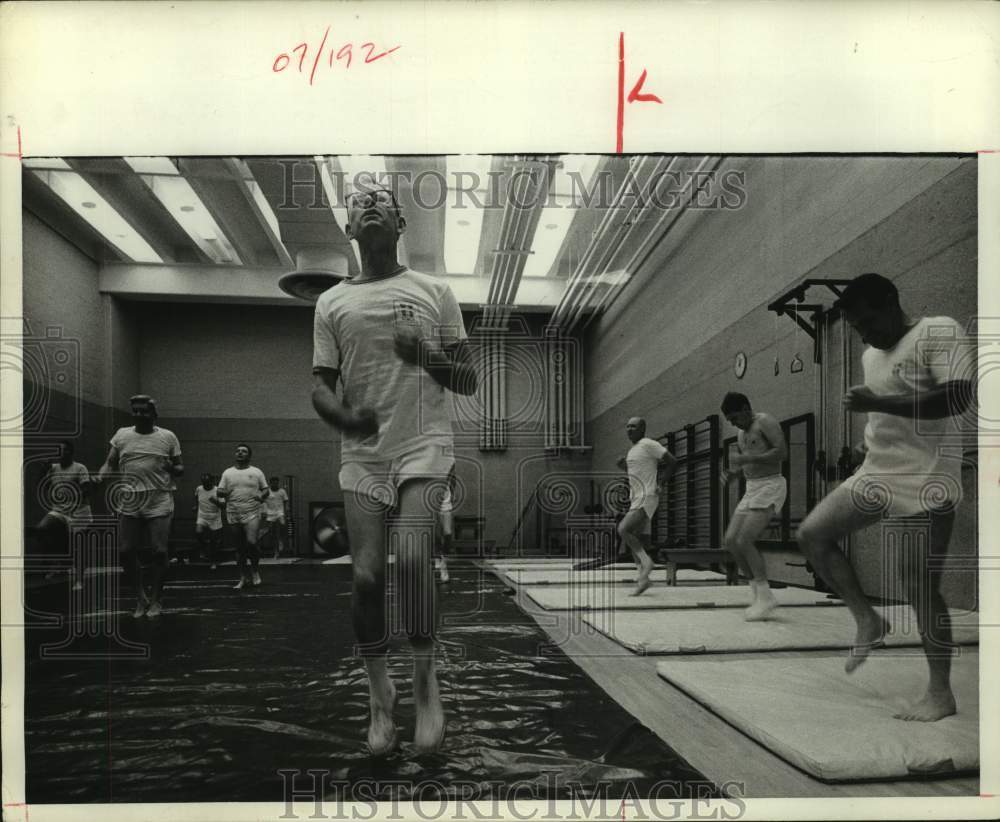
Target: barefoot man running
643,460
918,374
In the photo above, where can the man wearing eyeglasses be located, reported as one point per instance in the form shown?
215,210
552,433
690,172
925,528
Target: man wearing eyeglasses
394,342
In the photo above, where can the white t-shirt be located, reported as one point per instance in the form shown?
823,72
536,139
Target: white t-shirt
208,511
65,488
642,460
353,332
245,484
903,451
274,505
143,457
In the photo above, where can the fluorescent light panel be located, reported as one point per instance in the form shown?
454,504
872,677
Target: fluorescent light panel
332,197
554,222
185,206
258,197
75,191
464,226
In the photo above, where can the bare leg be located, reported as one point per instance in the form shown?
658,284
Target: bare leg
743,531
251,530
415,539
238,535
923,590
631,530
158,530
833,518
367,529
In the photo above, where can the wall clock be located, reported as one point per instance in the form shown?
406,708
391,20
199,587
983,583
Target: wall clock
740,365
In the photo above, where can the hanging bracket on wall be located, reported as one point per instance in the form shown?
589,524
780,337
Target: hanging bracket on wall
792,304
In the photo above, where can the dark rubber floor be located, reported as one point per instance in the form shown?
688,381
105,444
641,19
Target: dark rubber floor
228,689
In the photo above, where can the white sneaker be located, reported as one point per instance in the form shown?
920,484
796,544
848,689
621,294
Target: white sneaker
239,585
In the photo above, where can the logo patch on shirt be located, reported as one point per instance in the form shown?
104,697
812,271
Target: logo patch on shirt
406,313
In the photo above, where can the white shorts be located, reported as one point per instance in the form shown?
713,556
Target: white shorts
241,517
210,524
380,480
146,504
902,495
649,504
763,493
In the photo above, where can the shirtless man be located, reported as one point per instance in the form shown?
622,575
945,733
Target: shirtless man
243,488
642,462
912,390
760,451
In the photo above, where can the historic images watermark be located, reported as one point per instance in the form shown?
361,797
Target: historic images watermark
521,187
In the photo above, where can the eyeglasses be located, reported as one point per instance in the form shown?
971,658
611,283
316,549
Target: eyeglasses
364,199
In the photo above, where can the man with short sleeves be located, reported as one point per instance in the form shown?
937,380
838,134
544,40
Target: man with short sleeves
388,345
275,516
643,462
919,374
67,485
208,525
243,488
148,459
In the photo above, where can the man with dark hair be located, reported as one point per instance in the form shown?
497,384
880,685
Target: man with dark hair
760,451
387,345
243,488
149,458
643,461
66,486
208,524
918,374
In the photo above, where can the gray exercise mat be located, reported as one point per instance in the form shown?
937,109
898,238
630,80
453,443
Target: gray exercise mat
723,630
600,597
605,575
839,727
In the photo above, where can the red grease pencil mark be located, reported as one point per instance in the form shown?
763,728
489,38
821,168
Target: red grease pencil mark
634,96
19,154
343,53
319,51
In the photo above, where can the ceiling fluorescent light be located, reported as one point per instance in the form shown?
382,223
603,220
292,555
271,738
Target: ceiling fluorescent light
464,225
185,206
84,199
334,198
555,220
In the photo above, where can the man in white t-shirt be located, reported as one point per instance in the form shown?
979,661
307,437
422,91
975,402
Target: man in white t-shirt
243,488
148,459
643,462
918,375
208,525
275,517
66,486
387,347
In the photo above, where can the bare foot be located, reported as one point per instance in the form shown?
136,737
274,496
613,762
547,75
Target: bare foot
430,728
140,610
930,708
155,609
382,737
869,637
642,585
761,608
